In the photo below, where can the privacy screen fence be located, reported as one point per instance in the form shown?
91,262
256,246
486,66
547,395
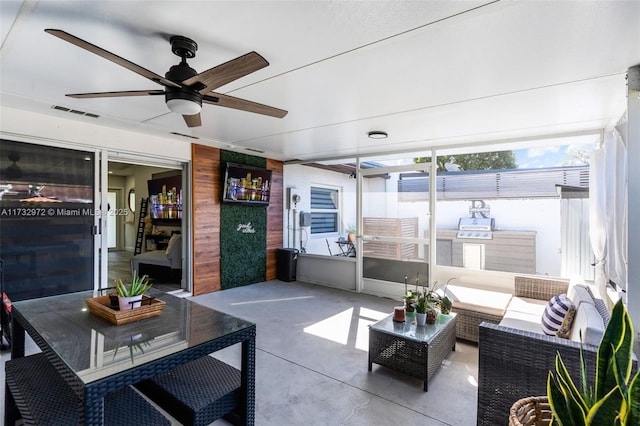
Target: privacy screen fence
487,184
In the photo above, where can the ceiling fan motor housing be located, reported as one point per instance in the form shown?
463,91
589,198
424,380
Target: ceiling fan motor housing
179,73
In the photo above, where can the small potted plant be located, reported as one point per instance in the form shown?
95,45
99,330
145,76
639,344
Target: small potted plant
421,306
351,234
445,305
130,296
433,301
409,302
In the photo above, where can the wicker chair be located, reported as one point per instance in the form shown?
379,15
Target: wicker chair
197,393
37,394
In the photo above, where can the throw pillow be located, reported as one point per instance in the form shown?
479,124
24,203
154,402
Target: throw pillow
565,329
172,242
554,314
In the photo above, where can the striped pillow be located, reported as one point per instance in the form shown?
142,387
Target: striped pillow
554,314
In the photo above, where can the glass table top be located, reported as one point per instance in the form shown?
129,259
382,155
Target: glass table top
410,331
94,348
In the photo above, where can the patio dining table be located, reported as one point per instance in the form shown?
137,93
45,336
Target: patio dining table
96,357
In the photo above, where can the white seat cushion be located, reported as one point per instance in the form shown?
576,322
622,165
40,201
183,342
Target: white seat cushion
578,294
587,321
474,299
522,321
527,305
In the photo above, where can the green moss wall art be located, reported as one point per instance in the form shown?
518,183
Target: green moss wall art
243,234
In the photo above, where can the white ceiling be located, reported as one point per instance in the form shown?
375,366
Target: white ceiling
430,73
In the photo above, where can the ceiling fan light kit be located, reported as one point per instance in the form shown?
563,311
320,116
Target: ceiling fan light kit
183,106
185,88
377,134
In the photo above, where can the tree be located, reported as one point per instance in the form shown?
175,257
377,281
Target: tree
577,155
475,161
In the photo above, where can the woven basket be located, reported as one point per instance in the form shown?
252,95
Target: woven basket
531,411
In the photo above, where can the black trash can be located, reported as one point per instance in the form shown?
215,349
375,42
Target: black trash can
286,263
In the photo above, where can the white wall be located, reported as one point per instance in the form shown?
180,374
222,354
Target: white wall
541,216
303,178
26,126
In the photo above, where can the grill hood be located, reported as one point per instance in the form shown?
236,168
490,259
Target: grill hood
476,228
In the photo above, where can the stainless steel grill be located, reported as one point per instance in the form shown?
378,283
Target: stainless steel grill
475,228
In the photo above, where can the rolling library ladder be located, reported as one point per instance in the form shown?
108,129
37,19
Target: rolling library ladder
144,204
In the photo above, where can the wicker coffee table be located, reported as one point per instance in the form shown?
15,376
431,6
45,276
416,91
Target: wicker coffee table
414,350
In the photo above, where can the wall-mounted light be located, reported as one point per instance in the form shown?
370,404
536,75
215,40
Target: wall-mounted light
377,134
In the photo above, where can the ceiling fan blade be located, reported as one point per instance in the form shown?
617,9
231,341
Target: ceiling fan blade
227,72
243,105
192,120
116,94
111,57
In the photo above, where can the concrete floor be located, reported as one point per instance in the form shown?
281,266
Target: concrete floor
311,361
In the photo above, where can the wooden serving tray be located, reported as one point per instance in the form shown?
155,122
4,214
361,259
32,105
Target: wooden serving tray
100,306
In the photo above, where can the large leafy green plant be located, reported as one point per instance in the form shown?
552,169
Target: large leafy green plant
615,397
138,286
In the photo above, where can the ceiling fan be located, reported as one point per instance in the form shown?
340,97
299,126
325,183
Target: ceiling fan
184,89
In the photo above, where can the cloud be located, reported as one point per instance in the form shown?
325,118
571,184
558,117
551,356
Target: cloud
542,151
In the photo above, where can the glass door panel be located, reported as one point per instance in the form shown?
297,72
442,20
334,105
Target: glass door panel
112,224
46,219
395,214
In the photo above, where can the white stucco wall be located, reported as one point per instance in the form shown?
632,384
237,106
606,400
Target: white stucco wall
541,216
300,179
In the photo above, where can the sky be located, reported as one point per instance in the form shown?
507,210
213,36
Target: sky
550,156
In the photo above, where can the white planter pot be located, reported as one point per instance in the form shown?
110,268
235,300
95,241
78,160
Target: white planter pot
125,302
421,319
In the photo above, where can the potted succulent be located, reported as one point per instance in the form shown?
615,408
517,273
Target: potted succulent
422,306
130,296
351,234
614,400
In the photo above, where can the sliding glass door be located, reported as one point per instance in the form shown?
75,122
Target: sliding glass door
394,215
47,219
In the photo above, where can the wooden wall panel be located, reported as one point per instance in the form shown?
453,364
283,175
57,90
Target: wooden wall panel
207,188
274,216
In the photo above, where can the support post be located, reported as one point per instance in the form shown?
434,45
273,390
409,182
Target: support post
633,200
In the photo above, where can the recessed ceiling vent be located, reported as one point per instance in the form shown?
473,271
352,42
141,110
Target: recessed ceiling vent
183,135
74,111
255,150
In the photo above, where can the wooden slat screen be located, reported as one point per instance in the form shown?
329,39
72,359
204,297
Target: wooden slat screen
391,227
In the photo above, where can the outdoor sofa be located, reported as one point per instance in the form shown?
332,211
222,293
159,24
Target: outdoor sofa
515,356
